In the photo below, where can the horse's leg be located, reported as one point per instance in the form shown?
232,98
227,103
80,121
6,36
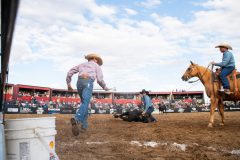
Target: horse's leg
221,110
212,111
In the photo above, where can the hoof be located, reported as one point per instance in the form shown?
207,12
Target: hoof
210,125
221,124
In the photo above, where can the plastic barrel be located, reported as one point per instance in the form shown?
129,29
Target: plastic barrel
30,139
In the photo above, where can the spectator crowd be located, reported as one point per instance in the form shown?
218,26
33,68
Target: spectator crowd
98,107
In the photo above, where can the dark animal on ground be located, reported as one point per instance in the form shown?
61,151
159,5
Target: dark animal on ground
133,116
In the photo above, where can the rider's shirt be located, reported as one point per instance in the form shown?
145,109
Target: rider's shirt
227,60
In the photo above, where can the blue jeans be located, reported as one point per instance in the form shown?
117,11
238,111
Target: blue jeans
85,89
223,76
149,113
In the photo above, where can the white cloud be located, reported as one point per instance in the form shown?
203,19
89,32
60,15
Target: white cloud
131,11
221,17
150,3
137,53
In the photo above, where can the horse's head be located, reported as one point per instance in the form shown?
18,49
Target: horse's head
191,71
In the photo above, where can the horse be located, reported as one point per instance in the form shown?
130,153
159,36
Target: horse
212,86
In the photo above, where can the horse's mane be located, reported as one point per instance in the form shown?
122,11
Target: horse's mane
202,66
205,69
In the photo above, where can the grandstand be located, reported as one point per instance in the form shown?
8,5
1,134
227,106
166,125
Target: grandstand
27,96
22,92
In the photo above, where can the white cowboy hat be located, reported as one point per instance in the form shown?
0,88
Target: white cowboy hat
225,45
96,56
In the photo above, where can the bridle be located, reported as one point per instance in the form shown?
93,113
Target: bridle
200,75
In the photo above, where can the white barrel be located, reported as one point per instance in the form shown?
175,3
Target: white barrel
2,143
30,138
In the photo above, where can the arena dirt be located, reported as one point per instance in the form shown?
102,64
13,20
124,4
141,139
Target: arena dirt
176,136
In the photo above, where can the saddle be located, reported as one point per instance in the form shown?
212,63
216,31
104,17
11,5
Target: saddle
216,74
234,76
231,76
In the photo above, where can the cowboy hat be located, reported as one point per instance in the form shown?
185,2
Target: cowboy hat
96,56
144,91
225,45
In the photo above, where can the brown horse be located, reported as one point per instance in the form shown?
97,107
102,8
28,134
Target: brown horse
205,76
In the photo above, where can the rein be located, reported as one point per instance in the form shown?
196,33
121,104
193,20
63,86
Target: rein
213,81
200,75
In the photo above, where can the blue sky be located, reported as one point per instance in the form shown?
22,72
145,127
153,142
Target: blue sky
144,43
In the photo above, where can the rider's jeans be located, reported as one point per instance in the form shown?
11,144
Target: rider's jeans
223,75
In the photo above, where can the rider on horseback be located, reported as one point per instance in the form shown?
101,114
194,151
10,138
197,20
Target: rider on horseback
227,65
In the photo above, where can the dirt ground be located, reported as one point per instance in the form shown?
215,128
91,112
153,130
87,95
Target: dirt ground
176,136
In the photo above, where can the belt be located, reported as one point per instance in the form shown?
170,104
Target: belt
81,77
84,76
